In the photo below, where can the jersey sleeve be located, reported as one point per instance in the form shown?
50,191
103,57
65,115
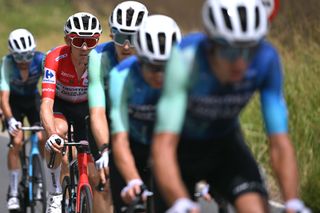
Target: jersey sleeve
6,68
49,76
118,97
172,105
96,91
271,95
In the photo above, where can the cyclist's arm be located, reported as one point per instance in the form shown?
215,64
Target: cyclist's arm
282,152
48,95
119,119
170,114
96,97
46,115
6,68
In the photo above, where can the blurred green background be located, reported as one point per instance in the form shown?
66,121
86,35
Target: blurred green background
295,33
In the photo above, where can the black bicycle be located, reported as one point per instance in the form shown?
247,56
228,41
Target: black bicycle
32,187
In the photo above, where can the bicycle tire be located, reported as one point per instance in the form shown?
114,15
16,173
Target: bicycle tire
67,202
39,198
85,200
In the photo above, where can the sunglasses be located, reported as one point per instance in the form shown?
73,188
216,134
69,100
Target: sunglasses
79,42
233,53
121,39
153,67
23,57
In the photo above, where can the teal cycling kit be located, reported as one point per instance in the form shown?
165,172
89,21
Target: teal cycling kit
133,101
133,109
197,95
24,99
205,114
12,81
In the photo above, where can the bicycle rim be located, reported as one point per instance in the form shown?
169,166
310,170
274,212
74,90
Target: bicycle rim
85,200
39,197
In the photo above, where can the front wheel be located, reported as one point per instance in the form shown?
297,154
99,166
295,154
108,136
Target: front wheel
67,197
39,197
85,200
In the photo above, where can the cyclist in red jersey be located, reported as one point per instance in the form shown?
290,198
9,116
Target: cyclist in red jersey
64,96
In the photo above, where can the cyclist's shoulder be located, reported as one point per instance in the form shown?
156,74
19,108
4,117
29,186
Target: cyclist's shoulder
127,63
56,55
57,51
105,47
38,56
6,59
267,51
193,39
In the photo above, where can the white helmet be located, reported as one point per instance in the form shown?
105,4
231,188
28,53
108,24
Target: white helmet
21,40
127,16
235,21
83,24
155,38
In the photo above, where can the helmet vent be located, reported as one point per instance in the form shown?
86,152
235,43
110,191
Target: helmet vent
16,44
119,16
211,17
149,42
23,43
11,47
162,42
226,18
257,17
243,18
76,22
29,39
140,17
130,13
85,21
174,38
94,23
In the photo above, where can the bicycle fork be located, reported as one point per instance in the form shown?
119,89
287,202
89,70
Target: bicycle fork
83,177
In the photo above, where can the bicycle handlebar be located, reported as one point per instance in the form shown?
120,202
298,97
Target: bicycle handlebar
53,153
32,128
27,128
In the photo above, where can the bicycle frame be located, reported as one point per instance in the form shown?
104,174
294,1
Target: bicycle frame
82,157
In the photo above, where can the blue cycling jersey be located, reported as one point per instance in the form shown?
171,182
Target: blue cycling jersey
199,107
133,101
11,79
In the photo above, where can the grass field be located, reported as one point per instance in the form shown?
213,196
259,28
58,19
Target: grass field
295,36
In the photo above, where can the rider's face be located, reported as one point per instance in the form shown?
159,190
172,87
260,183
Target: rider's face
153,74
123,49
230,64
80,54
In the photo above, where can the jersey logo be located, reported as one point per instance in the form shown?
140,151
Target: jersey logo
49,76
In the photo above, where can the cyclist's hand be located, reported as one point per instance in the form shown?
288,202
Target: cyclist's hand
132,189
14,126
203,191
102,167
52,144
295,206
184,205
